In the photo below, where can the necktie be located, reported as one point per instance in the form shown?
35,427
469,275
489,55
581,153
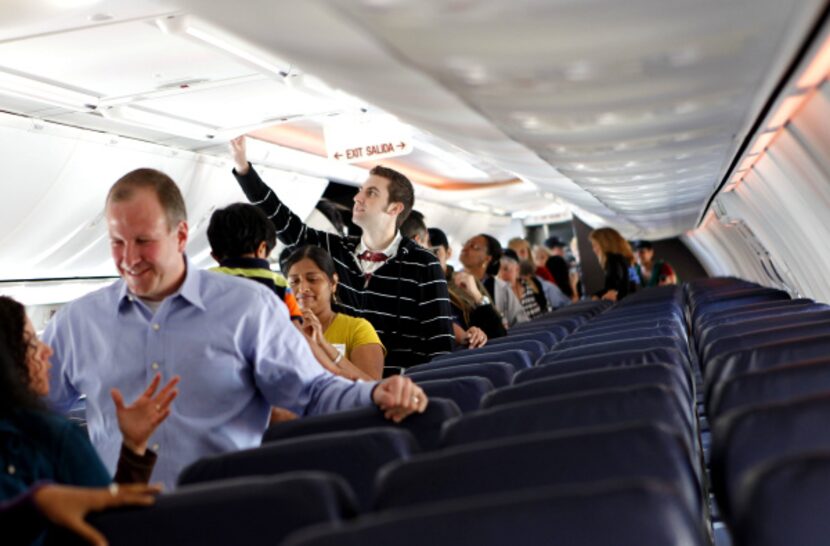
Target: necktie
369,256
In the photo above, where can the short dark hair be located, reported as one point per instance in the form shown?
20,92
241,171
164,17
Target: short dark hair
437,237
166,191
15,388
414,225
400,190
494,251
314,253
239,229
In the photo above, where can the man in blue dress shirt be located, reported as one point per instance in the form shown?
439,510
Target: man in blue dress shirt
229,339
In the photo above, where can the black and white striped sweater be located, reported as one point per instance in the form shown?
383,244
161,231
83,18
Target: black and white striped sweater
406,299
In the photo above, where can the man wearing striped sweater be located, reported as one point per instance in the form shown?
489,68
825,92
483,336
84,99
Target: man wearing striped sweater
387,279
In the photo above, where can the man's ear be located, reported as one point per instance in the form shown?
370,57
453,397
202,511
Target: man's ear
181,235
262,250
395,208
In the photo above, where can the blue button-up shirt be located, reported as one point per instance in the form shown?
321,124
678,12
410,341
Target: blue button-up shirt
229,339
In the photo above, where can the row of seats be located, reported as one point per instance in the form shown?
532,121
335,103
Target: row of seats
480,456
766,371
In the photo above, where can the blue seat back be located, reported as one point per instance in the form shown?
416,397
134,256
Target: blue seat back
588,338
605,360
466,392
355,456
548,338
619,345
518,358
425,427
570,457
772,334
754,435
499,374
649,374
770,386
763,357
755,324
623,514
253,511
651,403
785,502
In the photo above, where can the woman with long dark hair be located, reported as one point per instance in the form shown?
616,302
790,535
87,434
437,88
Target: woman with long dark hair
346,346
40,445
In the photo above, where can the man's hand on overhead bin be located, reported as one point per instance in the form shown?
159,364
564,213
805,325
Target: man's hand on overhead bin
240,155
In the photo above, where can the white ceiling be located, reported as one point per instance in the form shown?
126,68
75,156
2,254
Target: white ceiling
629,110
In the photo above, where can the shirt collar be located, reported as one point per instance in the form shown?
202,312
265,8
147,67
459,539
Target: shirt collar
189,290
390,250
245,263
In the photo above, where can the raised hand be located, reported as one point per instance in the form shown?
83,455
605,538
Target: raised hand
239,153
139,420
467,282
312,327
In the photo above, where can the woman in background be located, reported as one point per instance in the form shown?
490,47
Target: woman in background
616,258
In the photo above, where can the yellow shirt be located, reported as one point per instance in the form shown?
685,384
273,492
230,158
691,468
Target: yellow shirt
347,333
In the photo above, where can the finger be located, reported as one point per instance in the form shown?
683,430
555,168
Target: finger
169,387
87,532
117,398
151,389
164,403
423,400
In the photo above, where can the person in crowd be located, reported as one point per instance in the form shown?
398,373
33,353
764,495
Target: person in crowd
540,257
241,238
415,228
475,319
523,250
229,339
527,289
389,280
652,272
480,257
347,346
616,258
40,445
565,281
27,516
556,246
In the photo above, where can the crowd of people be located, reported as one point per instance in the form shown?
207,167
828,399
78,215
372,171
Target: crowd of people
209,358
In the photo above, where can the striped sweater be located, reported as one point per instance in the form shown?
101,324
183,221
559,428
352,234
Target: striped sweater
406,299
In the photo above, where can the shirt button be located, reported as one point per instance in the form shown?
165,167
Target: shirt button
156,448
11,469
155,365
156,327
130,298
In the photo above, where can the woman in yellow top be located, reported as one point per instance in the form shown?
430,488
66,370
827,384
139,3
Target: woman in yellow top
347,346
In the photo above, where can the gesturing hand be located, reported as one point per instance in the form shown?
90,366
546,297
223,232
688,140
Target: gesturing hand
139,420
467,282
240,154
312,327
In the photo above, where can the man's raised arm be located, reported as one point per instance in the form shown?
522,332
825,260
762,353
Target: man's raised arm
291,229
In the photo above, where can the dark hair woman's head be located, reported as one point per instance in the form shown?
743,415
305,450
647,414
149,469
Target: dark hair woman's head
15,384
312,277
558,267
495,252
316,255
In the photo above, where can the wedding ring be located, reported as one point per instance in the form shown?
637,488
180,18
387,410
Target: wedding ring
113,489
